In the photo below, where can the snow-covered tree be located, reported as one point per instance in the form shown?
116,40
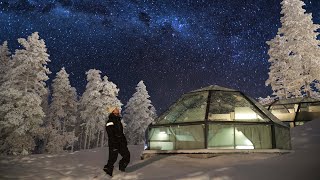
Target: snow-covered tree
138,114
63,109
21,113
267,100
298,48
97,97
109,96
278,68
45,106
4,60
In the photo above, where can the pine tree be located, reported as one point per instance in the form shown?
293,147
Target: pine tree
97,97
138,114
4,61
300,51
45,106
109,97
278,68
20,96
63,111
63,107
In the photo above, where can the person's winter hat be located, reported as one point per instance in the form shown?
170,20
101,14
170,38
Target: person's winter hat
110,109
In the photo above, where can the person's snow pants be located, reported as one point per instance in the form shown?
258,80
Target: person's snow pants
113,155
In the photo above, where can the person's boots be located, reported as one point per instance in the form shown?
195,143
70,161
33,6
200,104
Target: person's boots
122,167
108,170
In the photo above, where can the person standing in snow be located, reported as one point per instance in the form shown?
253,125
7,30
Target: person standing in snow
117,142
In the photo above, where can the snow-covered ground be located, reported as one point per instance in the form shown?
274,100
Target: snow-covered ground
302,164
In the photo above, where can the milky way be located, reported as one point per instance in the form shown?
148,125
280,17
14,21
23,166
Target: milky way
174,46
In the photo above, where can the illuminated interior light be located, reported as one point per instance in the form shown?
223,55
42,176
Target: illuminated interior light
244,147
245,113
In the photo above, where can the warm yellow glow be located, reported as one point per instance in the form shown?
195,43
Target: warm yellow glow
162,136
245,113
296,107
245,116
244,147
243,140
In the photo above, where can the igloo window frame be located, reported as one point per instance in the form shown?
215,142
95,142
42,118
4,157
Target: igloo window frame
188,142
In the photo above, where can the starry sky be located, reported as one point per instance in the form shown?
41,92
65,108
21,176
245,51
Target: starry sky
175,46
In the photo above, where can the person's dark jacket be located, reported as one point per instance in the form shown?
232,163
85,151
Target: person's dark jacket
114,128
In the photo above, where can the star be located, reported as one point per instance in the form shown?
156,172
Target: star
174,46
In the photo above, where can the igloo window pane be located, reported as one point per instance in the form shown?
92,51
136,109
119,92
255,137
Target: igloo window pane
239,136
253,137
221,136
232,106
308,112
161,139
177,137
282,136
284,112
189,137
314,107
189,108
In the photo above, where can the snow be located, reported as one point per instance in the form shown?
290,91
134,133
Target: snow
302,163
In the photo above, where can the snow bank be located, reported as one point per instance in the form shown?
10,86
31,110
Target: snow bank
300,164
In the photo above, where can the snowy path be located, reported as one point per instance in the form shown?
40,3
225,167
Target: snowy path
301,164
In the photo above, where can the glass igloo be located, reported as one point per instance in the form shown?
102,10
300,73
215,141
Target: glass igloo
217,118
295,111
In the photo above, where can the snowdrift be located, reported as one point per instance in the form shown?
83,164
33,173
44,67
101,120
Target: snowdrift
300,164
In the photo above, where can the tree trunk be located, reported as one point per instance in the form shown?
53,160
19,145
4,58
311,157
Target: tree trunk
74,136
85,138
79,136
89,140
72,146
63,126
102,137
98,138
307,89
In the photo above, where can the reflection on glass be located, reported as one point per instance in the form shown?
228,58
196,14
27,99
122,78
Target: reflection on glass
232,106
190,108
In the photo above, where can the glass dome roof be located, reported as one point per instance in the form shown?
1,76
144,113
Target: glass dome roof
217,104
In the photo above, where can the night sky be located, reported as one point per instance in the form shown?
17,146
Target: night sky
175,46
